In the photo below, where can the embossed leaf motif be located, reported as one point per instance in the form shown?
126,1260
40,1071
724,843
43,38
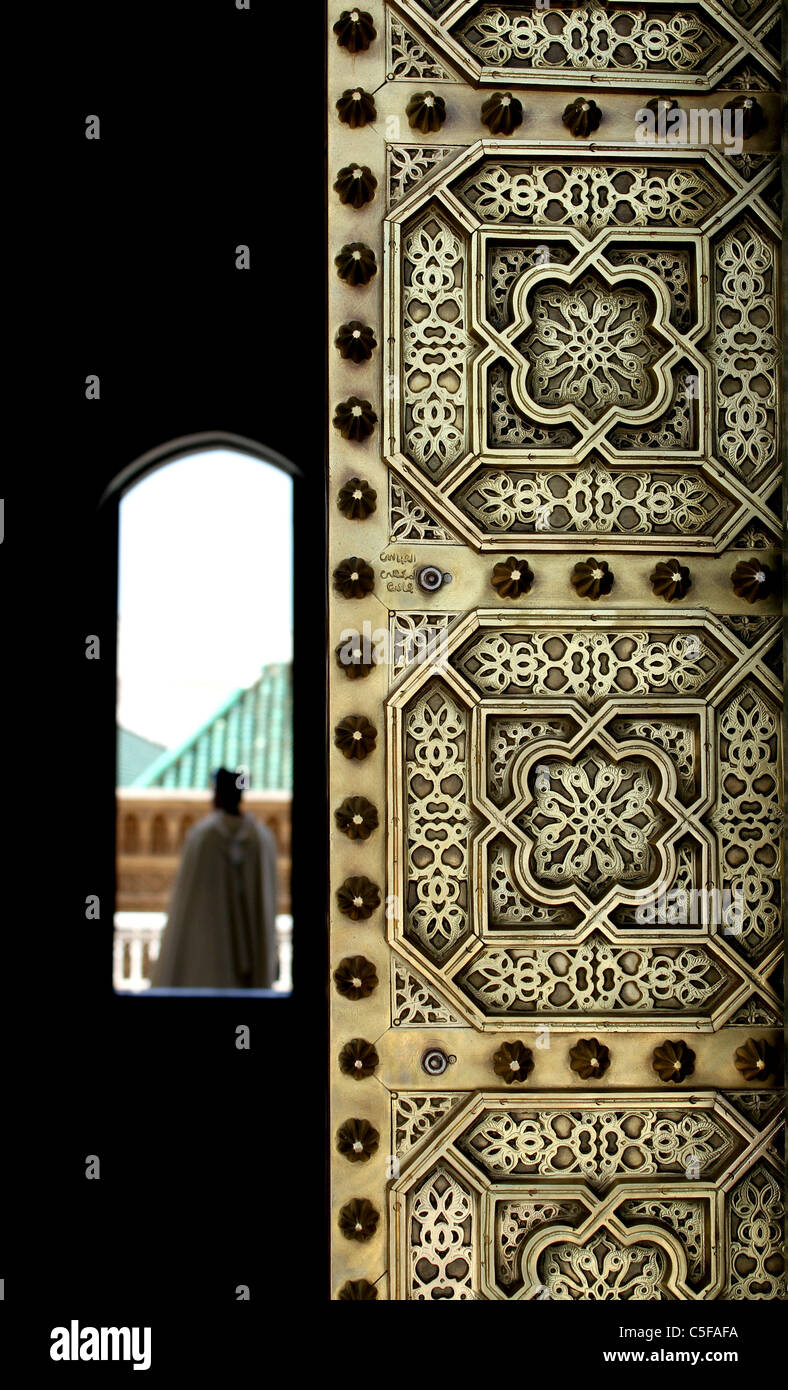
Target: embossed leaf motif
757,1245
416,1116
589,499
589,665
744,349
747,818
435,344
602,1269
590,198
590,347
591,978
598,1145
439,818
592,822
588,37
442,1252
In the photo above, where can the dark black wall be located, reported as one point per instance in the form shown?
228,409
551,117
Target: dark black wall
212,1160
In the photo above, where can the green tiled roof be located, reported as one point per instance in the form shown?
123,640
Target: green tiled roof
135,754
253,729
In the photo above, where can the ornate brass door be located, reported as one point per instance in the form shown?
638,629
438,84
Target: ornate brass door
555,684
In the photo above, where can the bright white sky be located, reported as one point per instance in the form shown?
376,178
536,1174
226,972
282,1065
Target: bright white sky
205,589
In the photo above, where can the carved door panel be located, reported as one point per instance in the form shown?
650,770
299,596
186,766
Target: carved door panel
556,708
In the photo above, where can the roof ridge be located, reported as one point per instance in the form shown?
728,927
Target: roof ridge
279,712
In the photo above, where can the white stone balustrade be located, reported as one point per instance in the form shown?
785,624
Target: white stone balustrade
136,948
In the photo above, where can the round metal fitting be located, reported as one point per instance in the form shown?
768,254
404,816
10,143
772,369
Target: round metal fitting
434,1061
430,578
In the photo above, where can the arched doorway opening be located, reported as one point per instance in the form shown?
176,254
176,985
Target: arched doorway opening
204,678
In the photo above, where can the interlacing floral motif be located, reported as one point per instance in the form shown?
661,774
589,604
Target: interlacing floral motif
416,1114
591,37
678,740
593,822
441,1245
506,265
508,905
758,1106
597,1145
514,1221
747,817
508,428
439,821
410,520
588,665
673,267
685,1218
755,1224
601,347
744,350
590,347
747,628
595,978
596,822
409,163
591,499
434,344
517,1221
406,56
603,1268
413,1003
675,429
505,737
591,197
416,637
678,907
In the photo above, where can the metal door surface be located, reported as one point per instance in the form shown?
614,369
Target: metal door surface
555,699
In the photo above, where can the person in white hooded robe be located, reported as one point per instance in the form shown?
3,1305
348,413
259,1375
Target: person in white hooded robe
221,925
